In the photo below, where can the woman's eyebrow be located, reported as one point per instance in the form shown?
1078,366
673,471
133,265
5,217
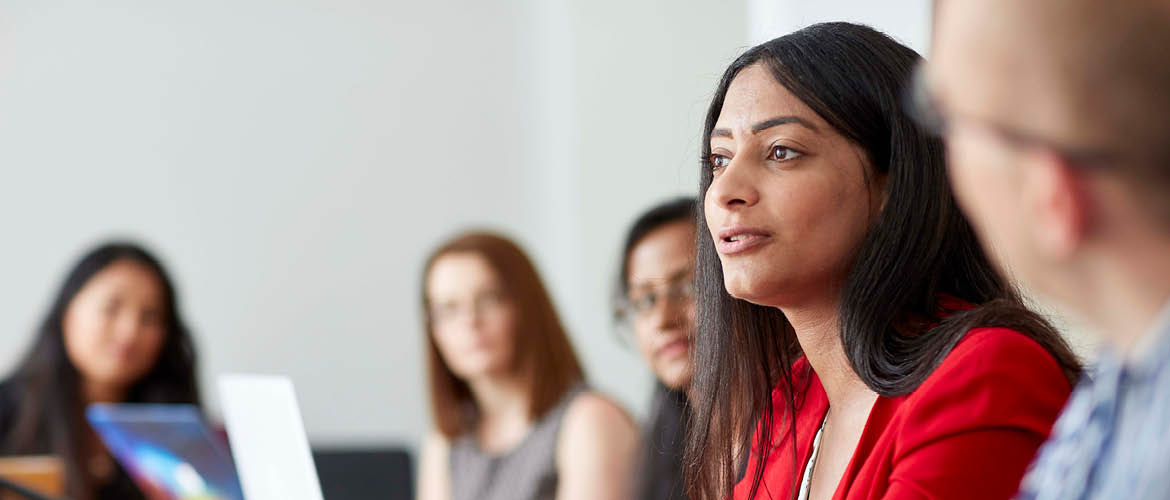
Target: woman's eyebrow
767,124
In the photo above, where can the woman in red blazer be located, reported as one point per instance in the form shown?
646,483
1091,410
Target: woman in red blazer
854,340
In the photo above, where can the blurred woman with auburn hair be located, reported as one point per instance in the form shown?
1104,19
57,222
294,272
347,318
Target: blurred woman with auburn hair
513,416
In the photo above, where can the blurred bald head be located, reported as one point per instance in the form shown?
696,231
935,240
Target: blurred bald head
1057,117
1089,74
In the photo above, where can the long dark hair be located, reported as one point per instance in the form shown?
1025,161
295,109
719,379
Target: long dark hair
918,248
51,405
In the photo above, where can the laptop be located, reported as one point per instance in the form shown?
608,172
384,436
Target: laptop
268,438
173,454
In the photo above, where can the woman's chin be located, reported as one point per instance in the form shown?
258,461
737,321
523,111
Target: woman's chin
675,374
677,382
480,369
748,293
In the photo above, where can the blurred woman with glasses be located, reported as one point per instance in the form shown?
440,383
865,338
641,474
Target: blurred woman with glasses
656,312
514,419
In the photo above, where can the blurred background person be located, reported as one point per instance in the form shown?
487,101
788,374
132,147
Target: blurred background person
113,334
656,312
513,417
1057,120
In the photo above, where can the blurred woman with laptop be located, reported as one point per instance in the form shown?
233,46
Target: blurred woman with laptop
514,419
113,334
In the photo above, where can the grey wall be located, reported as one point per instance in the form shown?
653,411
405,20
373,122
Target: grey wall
294,161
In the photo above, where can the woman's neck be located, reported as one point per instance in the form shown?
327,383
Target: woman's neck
503,418
500,397
95,392
97,461
818,332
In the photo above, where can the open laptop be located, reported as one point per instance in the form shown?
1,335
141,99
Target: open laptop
172,454
168,450
268,438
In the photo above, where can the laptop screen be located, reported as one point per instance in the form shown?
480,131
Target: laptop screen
168,450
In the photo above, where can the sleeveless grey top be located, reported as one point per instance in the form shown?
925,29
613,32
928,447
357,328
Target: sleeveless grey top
526,472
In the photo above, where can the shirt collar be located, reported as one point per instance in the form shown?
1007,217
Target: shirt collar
1152,351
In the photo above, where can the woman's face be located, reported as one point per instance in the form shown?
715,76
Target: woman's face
791,198
472,320
661,292
115,326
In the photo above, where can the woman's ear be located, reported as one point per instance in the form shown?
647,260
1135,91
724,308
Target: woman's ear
881,185
877,183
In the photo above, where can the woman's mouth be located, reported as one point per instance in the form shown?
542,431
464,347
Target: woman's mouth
674,349
737,240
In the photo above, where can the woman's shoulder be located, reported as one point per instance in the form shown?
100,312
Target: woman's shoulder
976,420
993,377
594,422
590,409
997,352
434,475
435,447
596,444
435,441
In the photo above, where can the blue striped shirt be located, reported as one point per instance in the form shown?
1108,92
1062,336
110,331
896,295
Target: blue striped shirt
1113,438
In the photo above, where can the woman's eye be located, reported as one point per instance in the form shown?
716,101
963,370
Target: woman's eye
718,161
781,153
443,311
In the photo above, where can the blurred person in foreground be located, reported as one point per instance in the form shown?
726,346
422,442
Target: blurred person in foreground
1057,119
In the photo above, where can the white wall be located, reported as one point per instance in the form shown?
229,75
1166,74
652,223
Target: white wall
908,21
293,161
646,71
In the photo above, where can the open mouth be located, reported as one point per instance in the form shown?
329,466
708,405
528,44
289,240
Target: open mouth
674,348
737,241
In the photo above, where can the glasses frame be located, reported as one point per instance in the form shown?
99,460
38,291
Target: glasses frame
925,109
626,313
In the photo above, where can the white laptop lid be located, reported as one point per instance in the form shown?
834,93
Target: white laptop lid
268,439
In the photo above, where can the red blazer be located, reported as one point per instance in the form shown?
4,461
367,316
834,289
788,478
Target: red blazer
968,432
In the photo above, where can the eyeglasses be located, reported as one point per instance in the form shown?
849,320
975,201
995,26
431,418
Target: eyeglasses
926,110
481,305
642,304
